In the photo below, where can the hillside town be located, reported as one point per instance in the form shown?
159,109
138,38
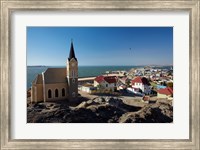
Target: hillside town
148,84
140,95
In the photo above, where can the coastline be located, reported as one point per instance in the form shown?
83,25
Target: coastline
84,71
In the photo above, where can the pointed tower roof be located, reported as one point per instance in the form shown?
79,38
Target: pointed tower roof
71,53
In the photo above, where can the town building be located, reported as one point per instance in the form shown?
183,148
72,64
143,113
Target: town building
142,83
57,83
106,82
165,93
88,88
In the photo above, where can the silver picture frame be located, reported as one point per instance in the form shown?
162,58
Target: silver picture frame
8,7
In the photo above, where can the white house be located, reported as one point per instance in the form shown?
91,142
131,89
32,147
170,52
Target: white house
89,88
142,83
106,82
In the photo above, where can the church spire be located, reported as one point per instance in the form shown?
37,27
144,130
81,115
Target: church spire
72,54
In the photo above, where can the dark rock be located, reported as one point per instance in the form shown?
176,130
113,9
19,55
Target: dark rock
153,113
49,105
99,110
40,106
56,106
99,100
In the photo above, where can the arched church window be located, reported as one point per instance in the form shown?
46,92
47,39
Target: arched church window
63,92
73,94
49,93
73,73
56,93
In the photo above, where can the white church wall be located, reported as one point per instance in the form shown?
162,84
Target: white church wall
36,93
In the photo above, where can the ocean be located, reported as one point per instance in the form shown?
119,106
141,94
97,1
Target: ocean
83,71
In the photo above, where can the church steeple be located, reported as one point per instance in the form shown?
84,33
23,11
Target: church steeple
72,54
72,74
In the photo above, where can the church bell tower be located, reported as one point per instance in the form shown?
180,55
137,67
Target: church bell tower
72,74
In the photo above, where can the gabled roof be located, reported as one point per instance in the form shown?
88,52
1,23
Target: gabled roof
72,53
55,75
166,91
99,79
142,80
108,79
38,79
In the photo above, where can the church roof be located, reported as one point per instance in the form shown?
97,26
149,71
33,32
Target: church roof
72,53
55,75
38,79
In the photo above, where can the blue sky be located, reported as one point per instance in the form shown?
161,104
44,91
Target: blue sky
105,46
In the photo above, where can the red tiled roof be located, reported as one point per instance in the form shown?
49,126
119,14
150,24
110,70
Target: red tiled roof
142,80
166,91
99,79
109,79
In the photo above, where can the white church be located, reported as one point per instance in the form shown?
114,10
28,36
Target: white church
57,83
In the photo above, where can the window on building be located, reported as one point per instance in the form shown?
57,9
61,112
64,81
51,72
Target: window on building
56,93
73,73
63,92
49,94
73,94
106,85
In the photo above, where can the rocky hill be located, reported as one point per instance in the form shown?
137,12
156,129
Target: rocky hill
100,110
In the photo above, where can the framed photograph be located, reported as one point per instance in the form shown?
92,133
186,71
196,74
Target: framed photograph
100,74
